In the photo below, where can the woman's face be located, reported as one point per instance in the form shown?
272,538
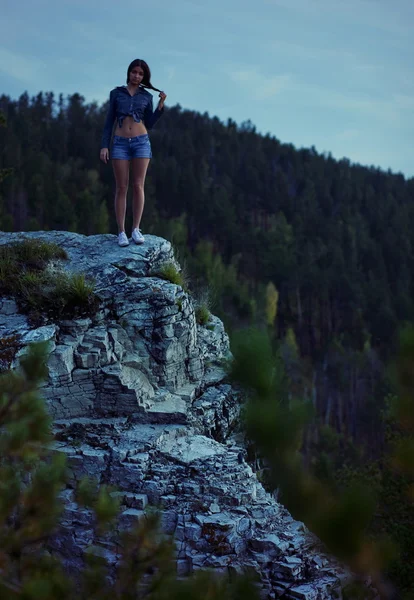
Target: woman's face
136,75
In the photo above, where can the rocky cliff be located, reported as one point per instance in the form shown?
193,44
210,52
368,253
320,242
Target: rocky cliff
140,401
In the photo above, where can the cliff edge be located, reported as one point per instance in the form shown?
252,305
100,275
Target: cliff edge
140,401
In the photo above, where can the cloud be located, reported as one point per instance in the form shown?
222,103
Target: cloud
310,53
367,68
370,105
274,85
25,69
93,34
380,14
348,59
174,53
404,102
348,134
171,71
262,86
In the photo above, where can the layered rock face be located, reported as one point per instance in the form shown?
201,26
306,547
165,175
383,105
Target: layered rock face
140,401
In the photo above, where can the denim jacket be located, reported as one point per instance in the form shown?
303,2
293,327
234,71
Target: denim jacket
121,104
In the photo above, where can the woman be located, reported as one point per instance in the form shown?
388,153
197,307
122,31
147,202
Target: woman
131,105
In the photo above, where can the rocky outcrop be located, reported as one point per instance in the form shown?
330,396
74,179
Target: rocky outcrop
140,400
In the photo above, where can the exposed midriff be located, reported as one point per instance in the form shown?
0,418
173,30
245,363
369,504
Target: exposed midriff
130,128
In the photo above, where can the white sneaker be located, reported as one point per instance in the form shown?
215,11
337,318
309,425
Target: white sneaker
122,239
137,236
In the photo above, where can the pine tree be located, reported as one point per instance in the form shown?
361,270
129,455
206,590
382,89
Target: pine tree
4,172
31,477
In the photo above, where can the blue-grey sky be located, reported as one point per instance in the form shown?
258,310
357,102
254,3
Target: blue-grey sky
336,74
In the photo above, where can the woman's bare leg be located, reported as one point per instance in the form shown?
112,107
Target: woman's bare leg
121,172
139,171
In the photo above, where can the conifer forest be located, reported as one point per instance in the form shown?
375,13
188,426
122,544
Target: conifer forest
255,223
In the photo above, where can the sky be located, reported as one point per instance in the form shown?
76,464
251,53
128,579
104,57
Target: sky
334,74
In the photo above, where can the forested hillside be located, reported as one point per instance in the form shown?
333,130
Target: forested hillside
335,239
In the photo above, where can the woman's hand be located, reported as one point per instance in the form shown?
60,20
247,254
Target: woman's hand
162,96
104,156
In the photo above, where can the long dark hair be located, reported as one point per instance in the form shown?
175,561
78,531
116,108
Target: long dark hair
146,80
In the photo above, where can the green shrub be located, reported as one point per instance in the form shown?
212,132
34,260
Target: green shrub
8,269
202,304
9,346
40,291
74,288
33,250
202,314
169,272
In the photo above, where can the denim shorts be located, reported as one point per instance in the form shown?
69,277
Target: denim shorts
135,147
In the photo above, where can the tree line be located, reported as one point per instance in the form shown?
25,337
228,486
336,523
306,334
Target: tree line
316,250
243,210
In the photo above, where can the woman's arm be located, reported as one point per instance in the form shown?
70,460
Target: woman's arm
151,116
163,96
109,123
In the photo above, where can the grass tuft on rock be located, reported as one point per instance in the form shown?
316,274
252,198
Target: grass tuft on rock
43,292
202,314
9,347
202,305
169,272
40,251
